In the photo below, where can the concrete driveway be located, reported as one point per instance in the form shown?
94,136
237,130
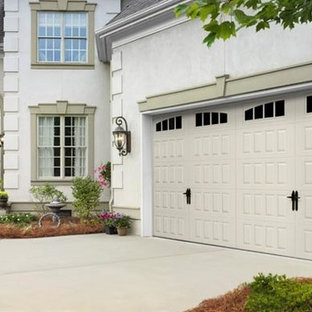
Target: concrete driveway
96,273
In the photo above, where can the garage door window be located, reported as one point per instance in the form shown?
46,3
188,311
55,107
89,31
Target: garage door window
309,104
210,118
268,110
172,123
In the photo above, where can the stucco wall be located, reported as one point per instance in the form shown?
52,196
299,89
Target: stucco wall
25,86
175,59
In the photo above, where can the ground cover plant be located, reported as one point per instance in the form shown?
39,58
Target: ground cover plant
271,293
10,227
18,218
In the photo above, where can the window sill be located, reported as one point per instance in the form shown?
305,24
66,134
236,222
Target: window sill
62,66
56,182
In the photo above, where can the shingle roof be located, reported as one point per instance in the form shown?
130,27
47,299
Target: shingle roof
129,7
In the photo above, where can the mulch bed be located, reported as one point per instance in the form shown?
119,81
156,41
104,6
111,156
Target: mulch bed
233,301
69,226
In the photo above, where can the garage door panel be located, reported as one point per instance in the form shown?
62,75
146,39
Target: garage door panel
212,231
213,174
212,216
168,149
265,141
264,204
210,144
170,226
265,173
304,179
266,236
213,202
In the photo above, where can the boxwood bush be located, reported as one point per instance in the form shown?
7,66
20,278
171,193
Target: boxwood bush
277,293
18,218
87,194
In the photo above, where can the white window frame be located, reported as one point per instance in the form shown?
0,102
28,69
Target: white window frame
63,38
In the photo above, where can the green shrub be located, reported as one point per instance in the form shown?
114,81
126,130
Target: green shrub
87,194
18,218
277,293
4,195
44,193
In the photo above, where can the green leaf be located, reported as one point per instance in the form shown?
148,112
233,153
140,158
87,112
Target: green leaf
206,11
242,18
226,30
262,25
213,26
210,39
180,9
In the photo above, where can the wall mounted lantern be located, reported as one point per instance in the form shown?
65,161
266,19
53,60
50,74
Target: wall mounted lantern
122,137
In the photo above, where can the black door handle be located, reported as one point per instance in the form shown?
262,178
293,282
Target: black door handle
292,196
188,196
296,200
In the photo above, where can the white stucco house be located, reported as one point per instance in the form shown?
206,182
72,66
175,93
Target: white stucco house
55,94
220,137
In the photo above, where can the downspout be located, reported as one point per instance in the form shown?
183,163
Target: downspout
2,147
111,201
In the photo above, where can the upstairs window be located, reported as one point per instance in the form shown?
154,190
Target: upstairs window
62,34
62,37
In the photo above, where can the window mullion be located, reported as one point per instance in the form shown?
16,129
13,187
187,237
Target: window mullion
62,38
62,147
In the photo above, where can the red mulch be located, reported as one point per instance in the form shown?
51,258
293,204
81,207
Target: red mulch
69,226
233,301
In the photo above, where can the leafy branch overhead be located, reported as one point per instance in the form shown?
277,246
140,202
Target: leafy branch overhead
224,18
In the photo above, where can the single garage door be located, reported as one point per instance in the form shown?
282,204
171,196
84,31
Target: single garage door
237,176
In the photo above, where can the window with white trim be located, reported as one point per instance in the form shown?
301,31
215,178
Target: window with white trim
62,37
62,146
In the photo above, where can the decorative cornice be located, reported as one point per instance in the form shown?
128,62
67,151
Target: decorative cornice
62,5
62,108
293,78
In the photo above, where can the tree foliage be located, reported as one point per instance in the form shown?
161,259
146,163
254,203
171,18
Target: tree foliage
224,18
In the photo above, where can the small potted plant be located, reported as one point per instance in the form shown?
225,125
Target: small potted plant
122,223
3,199
108,219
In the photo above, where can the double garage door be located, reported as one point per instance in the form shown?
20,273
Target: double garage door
237,175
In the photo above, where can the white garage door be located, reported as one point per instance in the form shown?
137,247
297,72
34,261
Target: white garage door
222,175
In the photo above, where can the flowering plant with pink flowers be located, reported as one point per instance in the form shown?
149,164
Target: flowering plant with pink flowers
108,218
103,173
116,219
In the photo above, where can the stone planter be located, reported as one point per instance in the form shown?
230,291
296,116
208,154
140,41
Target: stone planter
122,231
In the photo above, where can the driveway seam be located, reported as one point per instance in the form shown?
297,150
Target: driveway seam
106,263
